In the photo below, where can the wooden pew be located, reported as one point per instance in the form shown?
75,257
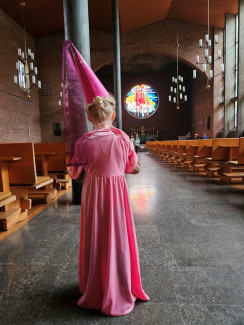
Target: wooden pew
223,150
181,149
166,146
14,204
52,160
173,150
235,171
157,148
22,173
191,151
204,151
151,145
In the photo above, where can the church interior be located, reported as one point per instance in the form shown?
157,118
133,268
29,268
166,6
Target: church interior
176,69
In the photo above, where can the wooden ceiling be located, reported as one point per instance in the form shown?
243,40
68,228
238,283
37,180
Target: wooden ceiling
43,17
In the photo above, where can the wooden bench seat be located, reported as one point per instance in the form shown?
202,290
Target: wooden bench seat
233,167
55,163
223,150
4,195
22,173
14,203
229,177
204,150
9,218
6,198
65,183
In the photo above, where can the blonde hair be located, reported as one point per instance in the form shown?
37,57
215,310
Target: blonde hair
101,109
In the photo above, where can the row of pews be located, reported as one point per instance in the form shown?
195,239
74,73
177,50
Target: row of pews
28,171
220,158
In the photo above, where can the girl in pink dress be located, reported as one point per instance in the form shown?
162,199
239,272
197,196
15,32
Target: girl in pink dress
109,273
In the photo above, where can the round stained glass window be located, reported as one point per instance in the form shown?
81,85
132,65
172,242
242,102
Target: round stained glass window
142,101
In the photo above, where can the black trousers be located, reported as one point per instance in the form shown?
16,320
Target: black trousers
136,148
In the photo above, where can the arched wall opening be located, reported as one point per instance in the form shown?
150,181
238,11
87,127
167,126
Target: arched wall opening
157,70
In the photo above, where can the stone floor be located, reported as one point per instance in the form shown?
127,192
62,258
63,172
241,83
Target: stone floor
190,236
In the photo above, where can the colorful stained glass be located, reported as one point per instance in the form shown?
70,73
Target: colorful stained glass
142,101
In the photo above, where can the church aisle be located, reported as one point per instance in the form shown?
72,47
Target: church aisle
191,244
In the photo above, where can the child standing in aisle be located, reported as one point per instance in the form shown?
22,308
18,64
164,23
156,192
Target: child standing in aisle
109,273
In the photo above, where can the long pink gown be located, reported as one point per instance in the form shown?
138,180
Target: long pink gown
109,273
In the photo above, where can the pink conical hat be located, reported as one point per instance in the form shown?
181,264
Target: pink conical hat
90,83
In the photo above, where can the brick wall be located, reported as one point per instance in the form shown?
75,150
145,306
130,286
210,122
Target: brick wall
202,103
20,117
49,55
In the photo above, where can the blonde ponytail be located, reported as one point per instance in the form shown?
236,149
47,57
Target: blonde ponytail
101,109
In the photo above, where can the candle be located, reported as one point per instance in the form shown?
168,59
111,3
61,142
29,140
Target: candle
200,43
206,53
19,52
184,88
209,43
211,73
23,55
175,90
32,56
35,70
216,39
59,103
194,74
33,79
29,52
219,54
62,85
181,79
206,38
222,67
185,98
210,59
15,79
31,66
174,99
204,66
39,84
179,87
171,89
17,65
173,79
169,98
61,94
181,96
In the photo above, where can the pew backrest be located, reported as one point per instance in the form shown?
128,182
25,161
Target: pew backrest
22,171
173,144
191,147
205,148
221,153
181,146
57,162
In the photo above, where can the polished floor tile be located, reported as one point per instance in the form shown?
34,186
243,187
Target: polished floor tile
191,245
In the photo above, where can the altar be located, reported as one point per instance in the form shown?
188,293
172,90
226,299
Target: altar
145,134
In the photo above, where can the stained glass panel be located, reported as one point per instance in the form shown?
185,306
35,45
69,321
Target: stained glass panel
142,101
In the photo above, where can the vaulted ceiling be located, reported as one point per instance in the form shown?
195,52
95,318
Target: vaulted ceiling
46,16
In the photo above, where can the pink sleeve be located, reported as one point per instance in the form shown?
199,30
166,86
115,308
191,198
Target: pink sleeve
79,160
132,161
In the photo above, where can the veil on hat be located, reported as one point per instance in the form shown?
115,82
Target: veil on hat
80,87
